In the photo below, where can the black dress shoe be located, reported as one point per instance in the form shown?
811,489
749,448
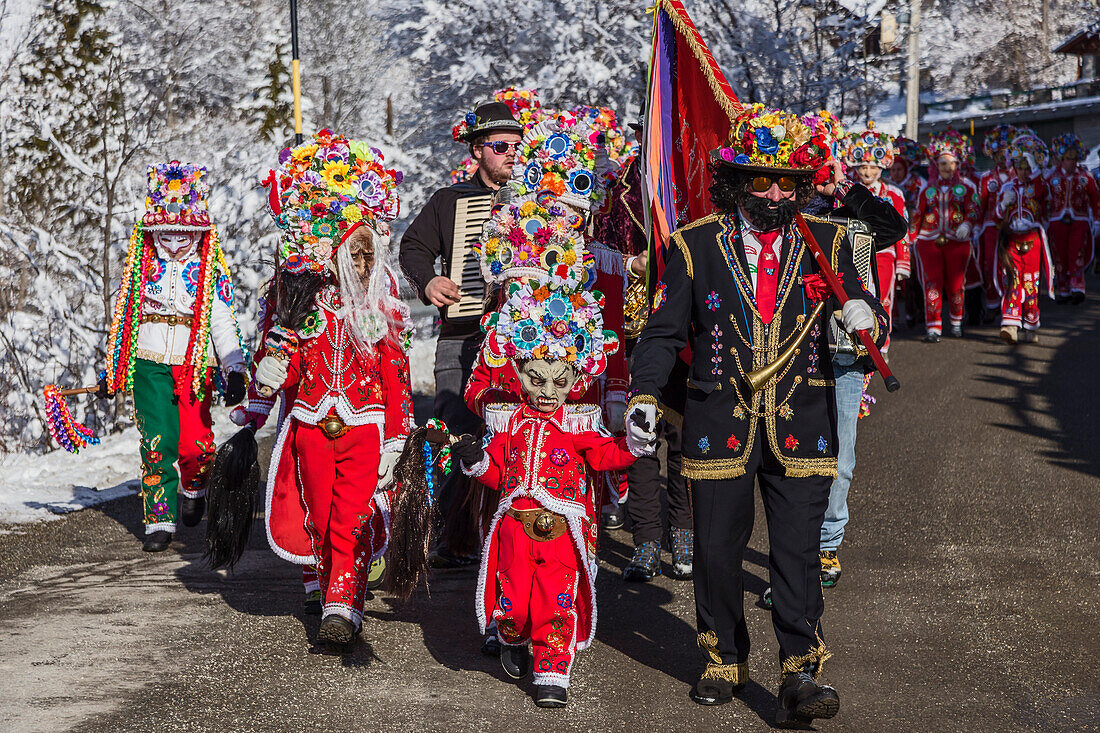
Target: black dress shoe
955,332
551,696
801,700
1077,297
491,646
931,338
157,541
191,510
337,631
714,692
614,519
516,660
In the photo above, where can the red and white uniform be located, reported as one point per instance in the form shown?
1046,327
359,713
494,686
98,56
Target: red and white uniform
1023,219
942,208
894,260
544,590
990,186
1074,207
322,508
910,188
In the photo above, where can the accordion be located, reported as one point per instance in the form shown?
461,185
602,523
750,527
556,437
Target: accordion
471,212
863,255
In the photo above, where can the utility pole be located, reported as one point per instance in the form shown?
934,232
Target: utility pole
912,91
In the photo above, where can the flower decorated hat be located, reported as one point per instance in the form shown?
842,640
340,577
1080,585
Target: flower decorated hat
869,147
527,239
524,103
827,125
553,317
771,140
996,141
1064,143
483,119
325,189
909,150
619,147
1031,148
950,143
562,158
176,198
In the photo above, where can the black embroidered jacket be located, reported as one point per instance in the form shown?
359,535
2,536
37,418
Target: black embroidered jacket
705,301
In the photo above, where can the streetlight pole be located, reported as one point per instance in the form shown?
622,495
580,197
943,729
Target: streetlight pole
296,77
912,91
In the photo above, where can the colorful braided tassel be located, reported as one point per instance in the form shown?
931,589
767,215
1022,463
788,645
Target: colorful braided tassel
66,431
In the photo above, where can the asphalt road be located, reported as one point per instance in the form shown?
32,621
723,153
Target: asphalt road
968,601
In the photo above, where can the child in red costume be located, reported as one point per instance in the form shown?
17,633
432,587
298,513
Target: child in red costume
1021,214
538,564
343,372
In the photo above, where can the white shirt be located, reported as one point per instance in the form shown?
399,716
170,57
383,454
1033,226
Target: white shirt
752,247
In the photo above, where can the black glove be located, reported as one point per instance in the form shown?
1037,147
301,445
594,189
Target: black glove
234,389
469,450
101,389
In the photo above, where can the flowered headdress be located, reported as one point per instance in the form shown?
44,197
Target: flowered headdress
562,158
1067,141
996,142
772,140
525,239
869,147
949,142
466,170
554,318
485,118
909,150
524,103
325,189
620,147
1032,148
827,125
175,201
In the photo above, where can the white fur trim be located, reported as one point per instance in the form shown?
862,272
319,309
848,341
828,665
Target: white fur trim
394,445
272,472
312,585
478,469
159,526
193,493
343,610
552,678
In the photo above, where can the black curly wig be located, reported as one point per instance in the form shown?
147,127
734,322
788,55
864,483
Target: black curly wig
731,189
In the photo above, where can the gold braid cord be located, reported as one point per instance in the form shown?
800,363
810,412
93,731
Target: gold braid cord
683,25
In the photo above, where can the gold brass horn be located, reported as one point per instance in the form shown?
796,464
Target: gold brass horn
757,378
635,307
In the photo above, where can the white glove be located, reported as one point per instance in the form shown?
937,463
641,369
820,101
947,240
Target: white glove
857,316
1008,197
963,232
616,410
271,372
642,439
386,463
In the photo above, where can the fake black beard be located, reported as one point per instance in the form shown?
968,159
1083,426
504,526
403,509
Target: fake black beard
768,215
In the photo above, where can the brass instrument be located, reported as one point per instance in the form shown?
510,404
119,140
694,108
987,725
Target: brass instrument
757,378
635,307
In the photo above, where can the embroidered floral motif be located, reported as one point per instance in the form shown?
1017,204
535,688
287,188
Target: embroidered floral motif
716,359
733,443
191,278
565,600
785,412
559,457
822,444
739,412
713,301
704,444
791,442
815,334
658,296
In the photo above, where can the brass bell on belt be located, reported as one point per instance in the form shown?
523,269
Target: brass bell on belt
544,523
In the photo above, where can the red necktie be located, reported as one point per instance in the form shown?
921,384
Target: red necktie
767,275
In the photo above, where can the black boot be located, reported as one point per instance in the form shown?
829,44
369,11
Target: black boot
157,541
551,696
491,646
801,699
516,660
336,631
646,563
191,510
709,691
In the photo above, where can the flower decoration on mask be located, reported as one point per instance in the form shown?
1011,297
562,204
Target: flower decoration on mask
524,103
562,158
619,147
869,147
526,239
325,188
775,140
553,317
176,198
825,124
1066,142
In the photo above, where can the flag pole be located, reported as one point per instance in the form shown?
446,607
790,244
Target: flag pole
296,76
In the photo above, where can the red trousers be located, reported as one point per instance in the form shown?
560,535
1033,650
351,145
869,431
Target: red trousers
1020,305
943,275
336,480
536,595
987,250
1072,249
885,263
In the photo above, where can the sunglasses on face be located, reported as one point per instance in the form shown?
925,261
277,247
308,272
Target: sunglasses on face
500,147
761,184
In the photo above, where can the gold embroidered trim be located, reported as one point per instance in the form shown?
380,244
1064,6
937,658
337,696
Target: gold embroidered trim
821,382
818,655
682,245
716,468
672,417
737,674
160,357
708,642
644,399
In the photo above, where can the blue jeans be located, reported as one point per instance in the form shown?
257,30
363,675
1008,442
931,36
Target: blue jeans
849,392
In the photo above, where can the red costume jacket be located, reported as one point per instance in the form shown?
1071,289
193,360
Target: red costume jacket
1073,195
893,194
1027,213
544,456
990,186
943,207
